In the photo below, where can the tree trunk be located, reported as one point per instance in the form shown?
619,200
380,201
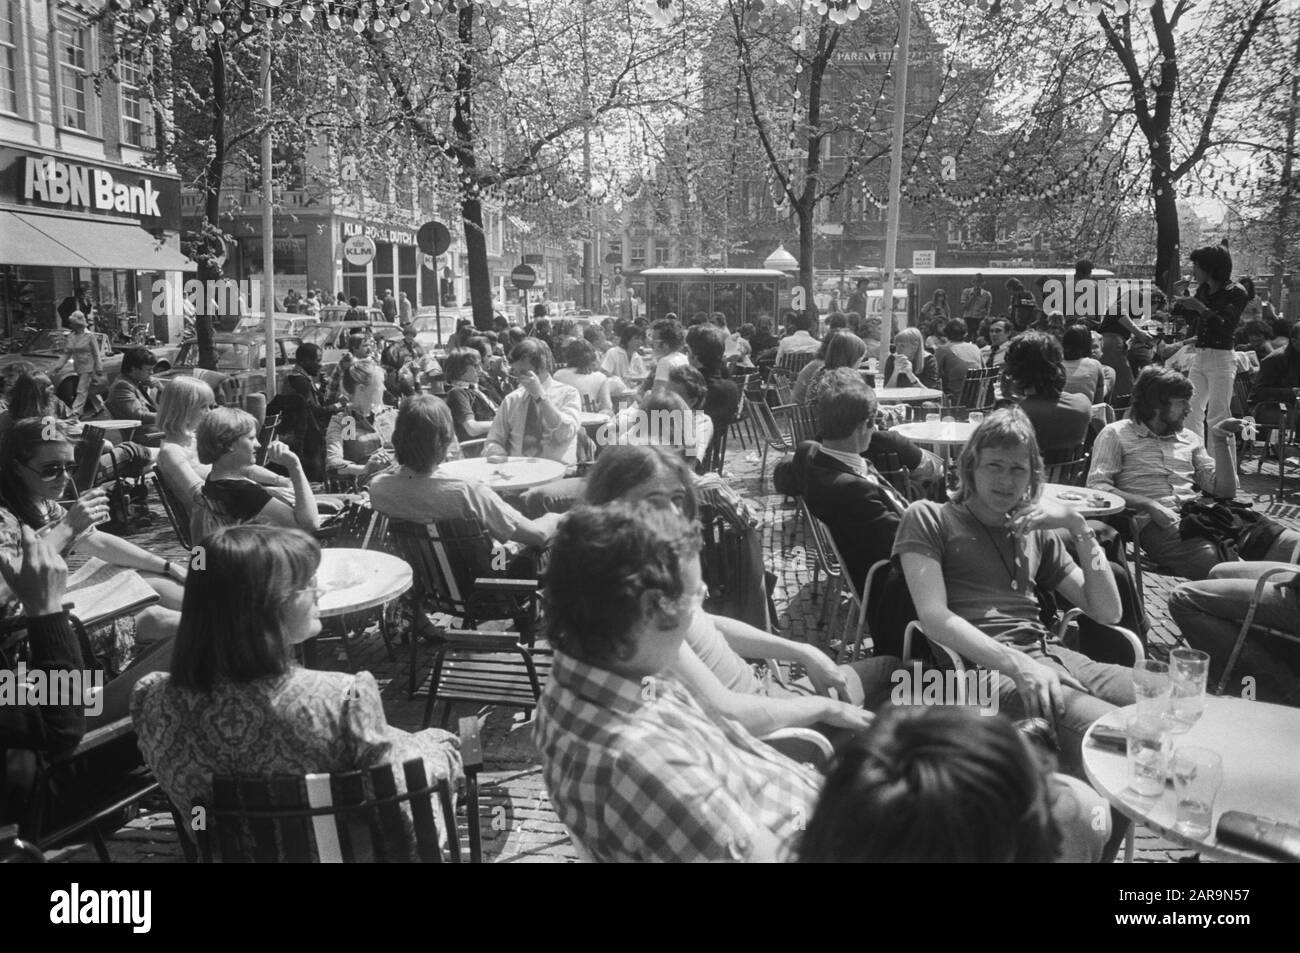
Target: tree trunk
209,268
1286,184
1167,237
471,206
807,236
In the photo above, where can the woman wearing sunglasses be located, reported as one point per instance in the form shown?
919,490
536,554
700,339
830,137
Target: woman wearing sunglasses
36,465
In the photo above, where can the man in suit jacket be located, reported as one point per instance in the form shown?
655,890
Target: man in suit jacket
841,487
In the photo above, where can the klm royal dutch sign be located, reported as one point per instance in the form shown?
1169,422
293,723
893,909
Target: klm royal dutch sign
67,185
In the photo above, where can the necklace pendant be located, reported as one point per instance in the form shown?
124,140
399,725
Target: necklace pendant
1015,585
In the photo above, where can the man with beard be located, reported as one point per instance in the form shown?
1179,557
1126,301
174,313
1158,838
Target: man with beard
1156,465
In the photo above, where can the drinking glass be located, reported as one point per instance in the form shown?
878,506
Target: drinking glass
1151,687
496,459
931,418
1198,774
1148,741
1189,670
975,418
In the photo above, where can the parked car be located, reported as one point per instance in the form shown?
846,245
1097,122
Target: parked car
339,312
241,364
286,325
332,337
45,351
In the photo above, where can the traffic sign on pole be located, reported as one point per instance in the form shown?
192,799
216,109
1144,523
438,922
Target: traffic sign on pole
433,238
523,277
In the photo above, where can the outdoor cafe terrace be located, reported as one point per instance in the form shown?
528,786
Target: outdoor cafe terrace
517,820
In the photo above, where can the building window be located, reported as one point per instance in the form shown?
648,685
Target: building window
131,77
492,232
661,253
637,259
8,56
74,81
616,248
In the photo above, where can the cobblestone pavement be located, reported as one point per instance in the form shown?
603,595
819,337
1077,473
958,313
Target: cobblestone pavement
517,820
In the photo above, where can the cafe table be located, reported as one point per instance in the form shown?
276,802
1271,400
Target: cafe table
1261,774
353,581
942,436
514,474
906,395
107,425
1090,503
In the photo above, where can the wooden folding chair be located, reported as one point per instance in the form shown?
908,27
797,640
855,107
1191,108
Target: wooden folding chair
344,817
451,562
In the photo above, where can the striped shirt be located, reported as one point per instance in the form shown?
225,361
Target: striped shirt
638,772
1127,456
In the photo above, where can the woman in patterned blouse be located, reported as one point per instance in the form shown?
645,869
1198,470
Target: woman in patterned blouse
235,702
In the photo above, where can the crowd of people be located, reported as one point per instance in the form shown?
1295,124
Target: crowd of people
651,726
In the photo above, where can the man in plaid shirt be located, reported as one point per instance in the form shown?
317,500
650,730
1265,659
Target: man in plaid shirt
635,767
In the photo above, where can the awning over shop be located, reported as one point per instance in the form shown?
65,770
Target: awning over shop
23,244
92,245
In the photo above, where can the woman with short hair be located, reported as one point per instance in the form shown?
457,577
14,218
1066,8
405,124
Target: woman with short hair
236,703
358,441
471,409
227,441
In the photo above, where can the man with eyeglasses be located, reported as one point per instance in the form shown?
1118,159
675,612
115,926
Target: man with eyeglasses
994,354
636,769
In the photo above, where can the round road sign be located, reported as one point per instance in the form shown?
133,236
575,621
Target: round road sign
523,277
359,250
433,238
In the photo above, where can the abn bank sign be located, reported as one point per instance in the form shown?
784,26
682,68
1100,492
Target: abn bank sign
70,185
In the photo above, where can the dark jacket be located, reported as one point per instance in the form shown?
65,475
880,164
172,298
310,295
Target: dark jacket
862,514
128,401
1279,376
1216,326
721,401
38,728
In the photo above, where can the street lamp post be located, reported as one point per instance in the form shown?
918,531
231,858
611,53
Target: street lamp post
895,177
268,221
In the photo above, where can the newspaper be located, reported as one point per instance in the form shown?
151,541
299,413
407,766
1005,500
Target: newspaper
99,591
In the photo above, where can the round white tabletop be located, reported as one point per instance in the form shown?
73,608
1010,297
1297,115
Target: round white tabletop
358,579
590,418
940,434
517,473
906,395
1090,503
75,431
1260,773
